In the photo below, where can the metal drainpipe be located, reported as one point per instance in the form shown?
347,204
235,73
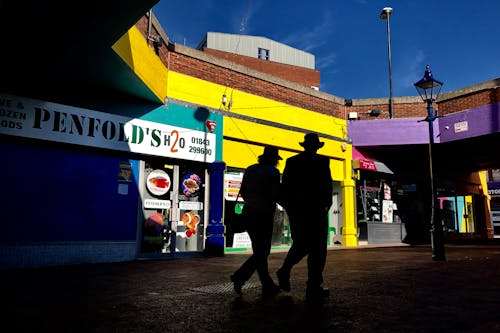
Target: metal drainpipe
150,23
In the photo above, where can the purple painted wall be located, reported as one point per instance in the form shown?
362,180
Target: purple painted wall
396,131
461,125
470,123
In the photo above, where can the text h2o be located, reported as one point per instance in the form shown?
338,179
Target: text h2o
177,141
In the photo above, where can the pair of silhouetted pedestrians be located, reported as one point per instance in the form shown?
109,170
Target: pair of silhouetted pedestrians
306,194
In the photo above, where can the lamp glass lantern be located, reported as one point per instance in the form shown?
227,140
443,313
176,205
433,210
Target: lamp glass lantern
428,87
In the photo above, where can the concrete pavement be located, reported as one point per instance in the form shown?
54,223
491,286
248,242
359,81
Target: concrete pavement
381,289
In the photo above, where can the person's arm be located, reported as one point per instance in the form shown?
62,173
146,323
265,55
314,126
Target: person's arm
283,187
244,186
275,186
328,184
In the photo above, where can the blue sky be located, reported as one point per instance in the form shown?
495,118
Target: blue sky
460,40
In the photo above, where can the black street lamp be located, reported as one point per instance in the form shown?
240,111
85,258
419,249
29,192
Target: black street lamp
385,15
429,88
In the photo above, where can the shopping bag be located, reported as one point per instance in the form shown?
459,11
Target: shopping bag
238,222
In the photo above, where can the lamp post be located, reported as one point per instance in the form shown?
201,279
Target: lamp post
429,88
385,15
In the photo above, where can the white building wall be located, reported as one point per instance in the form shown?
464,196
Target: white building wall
249,45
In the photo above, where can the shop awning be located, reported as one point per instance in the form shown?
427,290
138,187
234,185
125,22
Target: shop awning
363,163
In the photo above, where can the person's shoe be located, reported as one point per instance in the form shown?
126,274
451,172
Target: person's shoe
283,280
317,293
271,290
237,285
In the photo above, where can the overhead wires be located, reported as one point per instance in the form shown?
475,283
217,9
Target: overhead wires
227,98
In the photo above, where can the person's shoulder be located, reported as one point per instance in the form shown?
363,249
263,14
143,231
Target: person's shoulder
323,157
294,158
270,169
252,167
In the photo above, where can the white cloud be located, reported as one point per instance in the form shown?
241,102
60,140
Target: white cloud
413,69
242,22
315,37
325,62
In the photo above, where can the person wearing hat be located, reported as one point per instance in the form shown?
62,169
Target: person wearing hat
259,189
306,194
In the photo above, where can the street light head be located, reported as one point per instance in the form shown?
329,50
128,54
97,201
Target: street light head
385,13
428,88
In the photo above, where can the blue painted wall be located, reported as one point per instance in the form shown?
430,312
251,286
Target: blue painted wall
55,192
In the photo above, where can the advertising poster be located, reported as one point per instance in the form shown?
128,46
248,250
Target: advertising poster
387,211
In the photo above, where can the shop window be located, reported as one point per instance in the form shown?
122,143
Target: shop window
457,214
234,241
495,214
494,175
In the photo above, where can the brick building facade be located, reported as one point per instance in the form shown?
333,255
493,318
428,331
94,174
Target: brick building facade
271,80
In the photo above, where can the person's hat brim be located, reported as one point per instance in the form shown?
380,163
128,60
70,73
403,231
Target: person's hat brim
316,145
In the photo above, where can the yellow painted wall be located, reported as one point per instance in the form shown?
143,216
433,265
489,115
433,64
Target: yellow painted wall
487,203
241,154
135,51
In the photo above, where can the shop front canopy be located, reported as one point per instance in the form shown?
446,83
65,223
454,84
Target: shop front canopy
360,162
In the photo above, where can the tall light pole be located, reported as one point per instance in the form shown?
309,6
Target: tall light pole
429,88
385,15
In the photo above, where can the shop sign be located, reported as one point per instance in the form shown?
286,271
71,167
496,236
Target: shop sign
242,240
494,191
369,188
191,205
365,164
387,211
158,182
462,126
62,123
232,184
157,204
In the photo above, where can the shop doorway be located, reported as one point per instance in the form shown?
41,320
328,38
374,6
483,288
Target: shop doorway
457,214
174,205
335,216
236,242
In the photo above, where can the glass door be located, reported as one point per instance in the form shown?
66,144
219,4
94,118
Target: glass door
190,230
173,206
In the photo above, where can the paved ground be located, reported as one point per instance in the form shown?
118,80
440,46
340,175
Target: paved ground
385,289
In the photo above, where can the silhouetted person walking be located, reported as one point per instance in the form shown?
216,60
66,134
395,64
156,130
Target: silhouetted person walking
259,190
307,196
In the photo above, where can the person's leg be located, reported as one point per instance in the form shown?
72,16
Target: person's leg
245,271
317,258
242,274
297,251
261,246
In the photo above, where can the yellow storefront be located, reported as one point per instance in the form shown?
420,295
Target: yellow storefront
249,122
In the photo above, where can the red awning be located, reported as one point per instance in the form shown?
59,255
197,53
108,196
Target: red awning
361,162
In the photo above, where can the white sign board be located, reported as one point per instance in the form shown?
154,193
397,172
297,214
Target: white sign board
387,211
157,204
36,119
462,126
242,240
191,205
232,184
